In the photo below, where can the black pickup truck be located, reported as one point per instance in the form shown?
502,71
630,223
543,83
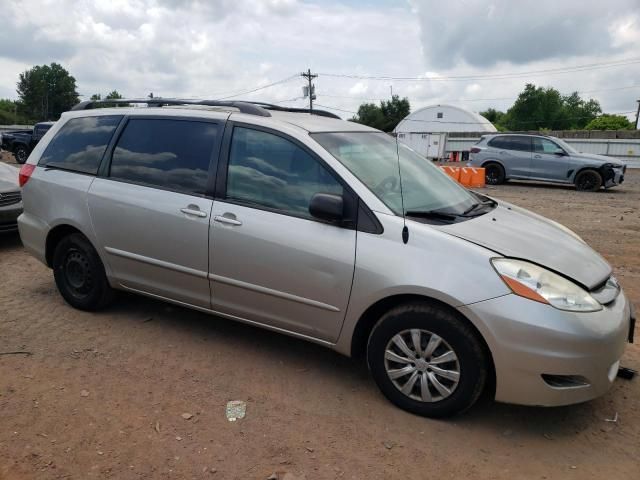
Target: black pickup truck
21,142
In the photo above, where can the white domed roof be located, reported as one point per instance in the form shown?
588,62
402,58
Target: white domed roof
444,118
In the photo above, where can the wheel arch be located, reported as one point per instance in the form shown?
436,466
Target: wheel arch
54,236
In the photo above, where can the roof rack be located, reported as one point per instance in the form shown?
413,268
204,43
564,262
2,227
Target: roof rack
251,108
243,107
280,108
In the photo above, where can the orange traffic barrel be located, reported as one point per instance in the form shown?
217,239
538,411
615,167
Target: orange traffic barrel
472,177
453,172
477,178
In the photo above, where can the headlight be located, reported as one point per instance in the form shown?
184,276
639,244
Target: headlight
541,285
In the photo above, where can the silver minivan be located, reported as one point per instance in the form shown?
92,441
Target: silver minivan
328,231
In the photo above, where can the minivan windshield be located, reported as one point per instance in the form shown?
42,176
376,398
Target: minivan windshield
373,158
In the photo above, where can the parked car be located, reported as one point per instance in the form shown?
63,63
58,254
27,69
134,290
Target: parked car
302,224
543,158
10,198
21,142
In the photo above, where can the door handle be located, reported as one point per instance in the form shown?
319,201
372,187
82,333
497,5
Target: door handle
196,212
537,156
227,220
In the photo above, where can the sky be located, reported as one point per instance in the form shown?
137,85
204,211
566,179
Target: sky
227,48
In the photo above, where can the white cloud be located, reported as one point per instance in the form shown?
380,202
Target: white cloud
219,47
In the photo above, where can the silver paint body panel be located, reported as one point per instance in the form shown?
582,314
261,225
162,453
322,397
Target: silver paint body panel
315,281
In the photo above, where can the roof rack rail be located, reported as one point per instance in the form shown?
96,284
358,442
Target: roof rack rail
243,107
251,108
280,108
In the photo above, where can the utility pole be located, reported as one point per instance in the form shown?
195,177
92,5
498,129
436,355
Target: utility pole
637,114
309,76
391,88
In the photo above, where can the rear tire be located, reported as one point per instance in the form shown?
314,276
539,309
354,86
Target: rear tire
588,181
79,274
438,381
21,154
494,174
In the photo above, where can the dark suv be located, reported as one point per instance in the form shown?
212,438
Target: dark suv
21,142
539,157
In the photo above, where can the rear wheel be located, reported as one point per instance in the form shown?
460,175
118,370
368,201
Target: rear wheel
21,153
494,174
588,181
79,274
427,360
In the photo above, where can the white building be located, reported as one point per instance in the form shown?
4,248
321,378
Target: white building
426,129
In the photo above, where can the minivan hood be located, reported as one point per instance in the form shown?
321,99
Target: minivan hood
598,158
518,233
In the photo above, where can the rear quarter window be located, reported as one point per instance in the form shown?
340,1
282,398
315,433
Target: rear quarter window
80,144
500,142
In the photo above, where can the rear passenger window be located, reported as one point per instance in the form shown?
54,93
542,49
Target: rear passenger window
522,144
270,171
500,143
170,154
80,144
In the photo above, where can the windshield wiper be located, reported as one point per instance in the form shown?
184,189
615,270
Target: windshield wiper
477,205
432,214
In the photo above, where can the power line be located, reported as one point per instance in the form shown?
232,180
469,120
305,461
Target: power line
256,89
495,76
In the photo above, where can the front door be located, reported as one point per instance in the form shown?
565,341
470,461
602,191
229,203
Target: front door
549,161
151,215
271,261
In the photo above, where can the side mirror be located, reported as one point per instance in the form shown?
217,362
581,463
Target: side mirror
327,207
560,153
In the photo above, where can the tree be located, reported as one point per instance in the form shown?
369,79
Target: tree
114,95
11,112
539,107
610,122
496,117
46,91
578,112
95,97
386,116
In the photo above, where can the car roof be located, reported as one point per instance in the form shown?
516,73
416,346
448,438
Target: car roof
512,134
303,120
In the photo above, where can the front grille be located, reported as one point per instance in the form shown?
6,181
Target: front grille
9,198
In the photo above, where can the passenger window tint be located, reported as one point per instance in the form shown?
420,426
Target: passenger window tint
80,144
501,143
171,154
542,145
522,144
269,171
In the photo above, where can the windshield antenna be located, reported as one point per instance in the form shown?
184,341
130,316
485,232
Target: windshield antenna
405,230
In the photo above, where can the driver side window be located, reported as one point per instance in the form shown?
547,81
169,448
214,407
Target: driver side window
270,171
542,145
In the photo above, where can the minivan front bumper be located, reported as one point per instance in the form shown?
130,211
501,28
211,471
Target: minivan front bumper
549,357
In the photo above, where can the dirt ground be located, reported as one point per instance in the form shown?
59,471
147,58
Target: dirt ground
102,395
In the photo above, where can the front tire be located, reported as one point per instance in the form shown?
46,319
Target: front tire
588,181
427,360
494,174
79,274
21,154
